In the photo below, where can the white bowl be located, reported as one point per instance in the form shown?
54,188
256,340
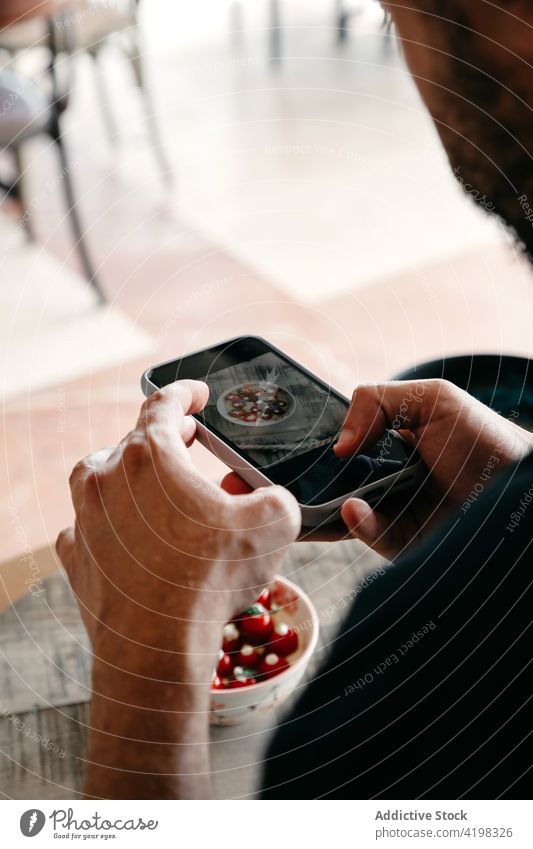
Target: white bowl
231,707
221,404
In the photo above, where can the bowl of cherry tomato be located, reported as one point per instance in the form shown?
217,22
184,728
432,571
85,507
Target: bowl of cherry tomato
256,404
264,653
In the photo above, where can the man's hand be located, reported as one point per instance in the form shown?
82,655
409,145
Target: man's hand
461,441
159,559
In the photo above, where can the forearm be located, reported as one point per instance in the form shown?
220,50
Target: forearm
149,731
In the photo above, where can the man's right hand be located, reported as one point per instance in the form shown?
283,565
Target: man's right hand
461,441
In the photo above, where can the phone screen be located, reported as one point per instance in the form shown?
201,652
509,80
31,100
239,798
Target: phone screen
270,410
281,419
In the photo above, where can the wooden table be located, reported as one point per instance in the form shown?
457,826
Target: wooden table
45,669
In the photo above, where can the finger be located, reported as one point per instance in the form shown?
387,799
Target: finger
65,548
81,471
165,412
400,405
189,430
142,446
233,484
374,529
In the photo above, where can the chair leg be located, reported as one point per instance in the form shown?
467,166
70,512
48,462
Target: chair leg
105,103
20,193
135,60
75,223
57,105
342,17
236,25
274,50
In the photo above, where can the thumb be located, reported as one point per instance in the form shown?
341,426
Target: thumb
400,405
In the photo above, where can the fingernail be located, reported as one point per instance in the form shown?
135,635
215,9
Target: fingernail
346,437
358,511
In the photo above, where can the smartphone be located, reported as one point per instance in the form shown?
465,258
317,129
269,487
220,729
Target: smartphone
274,422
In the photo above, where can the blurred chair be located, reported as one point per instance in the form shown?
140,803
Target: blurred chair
26,112
89,26
118,24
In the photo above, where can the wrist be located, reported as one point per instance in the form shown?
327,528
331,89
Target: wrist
155,661
122,700
149,724
140,640
149,750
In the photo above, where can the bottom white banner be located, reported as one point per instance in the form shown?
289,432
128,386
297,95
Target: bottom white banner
318,825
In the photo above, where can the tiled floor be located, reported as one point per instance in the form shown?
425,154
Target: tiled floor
312,206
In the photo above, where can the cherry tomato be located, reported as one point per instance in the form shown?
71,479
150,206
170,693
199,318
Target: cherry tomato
230,638
224,665
217,683
248,657
283,641
243,677
256,624
272,665
265,598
